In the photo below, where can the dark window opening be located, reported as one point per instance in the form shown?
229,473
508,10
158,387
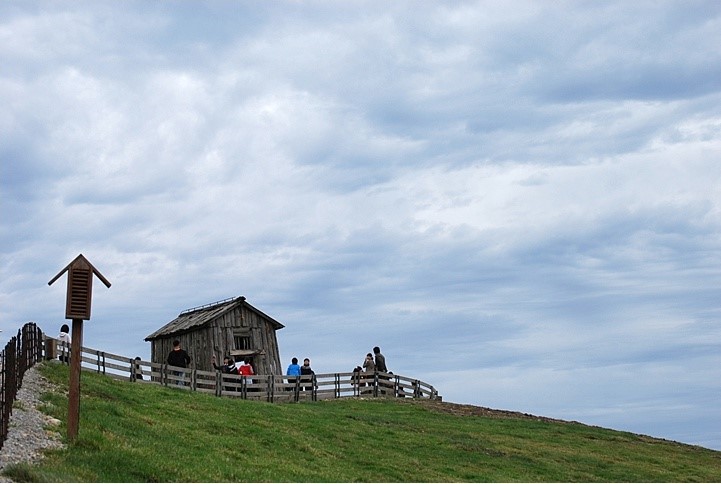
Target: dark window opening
242,342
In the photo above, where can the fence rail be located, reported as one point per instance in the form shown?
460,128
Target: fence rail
19,354
270,388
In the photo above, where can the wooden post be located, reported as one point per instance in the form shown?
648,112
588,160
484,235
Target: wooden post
74,391
77,307
314,388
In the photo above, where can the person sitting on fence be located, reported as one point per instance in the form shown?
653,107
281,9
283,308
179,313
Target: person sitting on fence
64,338
179,357
306,373
356,377
293,371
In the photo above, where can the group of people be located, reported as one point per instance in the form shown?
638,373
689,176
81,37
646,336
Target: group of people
305,372
178,357
237,366
374,362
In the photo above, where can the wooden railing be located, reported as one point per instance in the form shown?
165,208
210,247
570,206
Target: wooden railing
19,354
270,388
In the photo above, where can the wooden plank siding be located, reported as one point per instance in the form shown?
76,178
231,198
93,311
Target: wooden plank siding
210,331
265,387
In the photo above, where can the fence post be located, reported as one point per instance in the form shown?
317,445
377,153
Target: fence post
38,344
314,388
375,384
18,361
3,419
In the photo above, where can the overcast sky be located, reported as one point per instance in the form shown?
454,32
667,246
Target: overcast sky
520,202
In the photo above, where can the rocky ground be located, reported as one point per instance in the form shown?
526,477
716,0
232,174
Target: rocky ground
30,431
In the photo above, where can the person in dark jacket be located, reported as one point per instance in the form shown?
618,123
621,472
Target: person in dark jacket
180,358
306,374
380,360
228,368
381,368
228,365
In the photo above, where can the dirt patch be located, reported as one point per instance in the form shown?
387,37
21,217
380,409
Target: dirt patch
465,410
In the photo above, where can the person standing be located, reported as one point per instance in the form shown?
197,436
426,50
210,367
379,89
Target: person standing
306,373
180,358
245,368
369,369
64,338
380,360
369,365
381,367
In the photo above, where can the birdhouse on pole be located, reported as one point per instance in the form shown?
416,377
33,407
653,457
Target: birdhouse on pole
77,307
80,287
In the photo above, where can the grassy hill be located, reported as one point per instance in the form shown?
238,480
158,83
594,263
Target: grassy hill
146,433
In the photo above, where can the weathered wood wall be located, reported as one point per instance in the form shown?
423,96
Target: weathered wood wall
217,338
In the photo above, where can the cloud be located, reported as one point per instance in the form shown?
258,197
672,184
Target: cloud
517,202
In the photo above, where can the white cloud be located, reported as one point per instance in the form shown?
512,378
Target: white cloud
523,196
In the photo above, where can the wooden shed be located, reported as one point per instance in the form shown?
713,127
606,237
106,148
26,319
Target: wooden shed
228,327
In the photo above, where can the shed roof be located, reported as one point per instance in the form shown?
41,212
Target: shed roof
199,316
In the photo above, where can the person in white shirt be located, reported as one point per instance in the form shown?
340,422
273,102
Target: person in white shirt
64,338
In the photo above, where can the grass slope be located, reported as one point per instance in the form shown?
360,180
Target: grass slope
146,433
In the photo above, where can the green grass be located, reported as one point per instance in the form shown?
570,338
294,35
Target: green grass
146,433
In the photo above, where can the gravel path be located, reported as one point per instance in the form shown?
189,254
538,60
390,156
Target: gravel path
30,431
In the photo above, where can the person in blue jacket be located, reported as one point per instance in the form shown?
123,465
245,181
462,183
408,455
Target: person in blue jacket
293,371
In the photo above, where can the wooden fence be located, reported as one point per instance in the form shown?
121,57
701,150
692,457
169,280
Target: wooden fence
19,354
270,388
30,347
